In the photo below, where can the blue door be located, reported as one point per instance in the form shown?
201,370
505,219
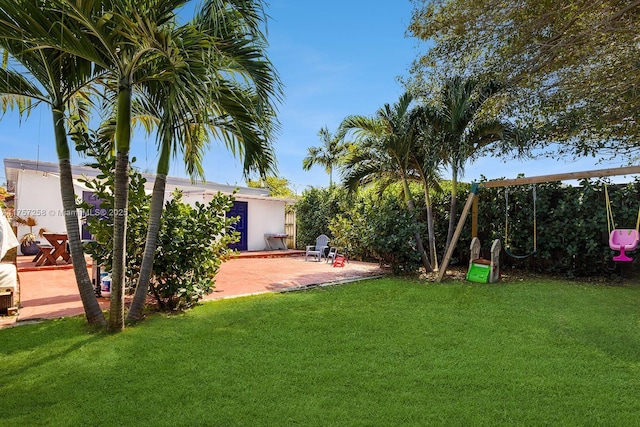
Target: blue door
240,209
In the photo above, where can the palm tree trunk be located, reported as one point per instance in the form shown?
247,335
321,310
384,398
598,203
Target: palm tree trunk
155,215
412,209
87,294
453,212
120,205
430,228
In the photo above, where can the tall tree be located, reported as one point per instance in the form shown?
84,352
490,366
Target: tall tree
465,126
133,42
240,113
327,154
428,159
573,62
56,78
386,145
119,38
278,187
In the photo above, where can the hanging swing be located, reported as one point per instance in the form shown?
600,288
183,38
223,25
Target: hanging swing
621,239
506,227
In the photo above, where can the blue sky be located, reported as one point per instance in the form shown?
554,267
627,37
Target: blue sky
335,58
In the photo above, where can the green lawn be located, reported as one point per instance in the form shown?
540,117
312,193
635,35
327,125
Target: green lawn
385,352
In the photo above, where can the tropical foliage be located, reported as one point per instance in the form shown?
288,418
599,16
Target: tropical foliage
385,147
415,138
192,245
363,224
277,186
571,65
381,229
464,127
232,91
208,77
100,221
36,70
571,225
328,154
314,210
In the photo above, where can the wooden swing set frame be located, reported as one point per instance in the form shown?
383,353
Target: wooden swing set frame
472,200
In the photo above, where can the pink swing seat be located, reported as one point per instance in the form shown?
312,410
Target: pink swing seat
623,240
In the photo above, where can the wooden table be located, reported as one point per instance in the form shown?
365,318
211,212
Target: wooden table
281,237
58,242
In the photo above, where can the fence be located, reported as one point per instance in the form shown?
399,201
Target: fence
290,226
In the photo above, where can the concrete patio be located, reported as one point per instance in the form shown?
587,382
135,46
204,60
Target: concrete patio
51,292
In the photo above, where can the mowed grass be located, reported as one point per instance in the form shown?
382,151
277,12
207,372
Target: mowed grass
385,352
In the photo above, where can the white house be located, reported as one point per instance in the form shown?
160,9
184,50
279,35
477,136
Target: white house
36,186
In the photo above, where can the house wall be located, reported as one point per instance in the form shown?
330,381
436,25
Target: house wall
265,217
38,195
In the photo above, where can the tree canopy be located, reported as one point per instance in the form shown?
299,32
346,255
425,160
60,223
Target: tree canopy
572,66
278,187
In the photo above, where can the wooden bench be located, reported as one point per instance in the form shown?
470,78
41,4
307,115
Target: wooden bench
44,254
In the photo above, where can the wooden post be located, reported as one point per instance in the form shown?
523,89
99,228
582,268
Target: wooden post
494,274
599,173
456,234
474,218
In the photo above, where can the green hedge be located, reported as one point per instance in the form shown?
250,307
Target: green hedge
365,225
572,234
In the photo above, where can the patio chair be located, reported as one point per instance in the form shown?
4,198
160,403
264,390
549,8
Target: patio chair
331,256
317,250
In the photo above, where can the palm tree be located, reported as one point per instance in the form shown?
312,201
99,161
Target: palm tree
327,155
132,42
55,78
232,112
385,151
427,161
463,128
128,42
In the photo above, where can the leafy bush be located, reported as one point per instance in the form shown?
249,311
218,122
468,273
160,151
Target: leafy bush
315,208
191,247
100,221
192,241
377,228
572,235
348,235
390,236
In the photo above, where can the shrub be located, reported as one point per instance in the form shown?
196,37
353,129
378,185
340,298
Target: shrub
191,247
192,241
390,236
315,209
100,221
377,228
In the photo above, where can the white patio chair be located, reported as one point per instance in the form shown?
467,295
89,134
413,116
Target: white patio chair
317,250
331,256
